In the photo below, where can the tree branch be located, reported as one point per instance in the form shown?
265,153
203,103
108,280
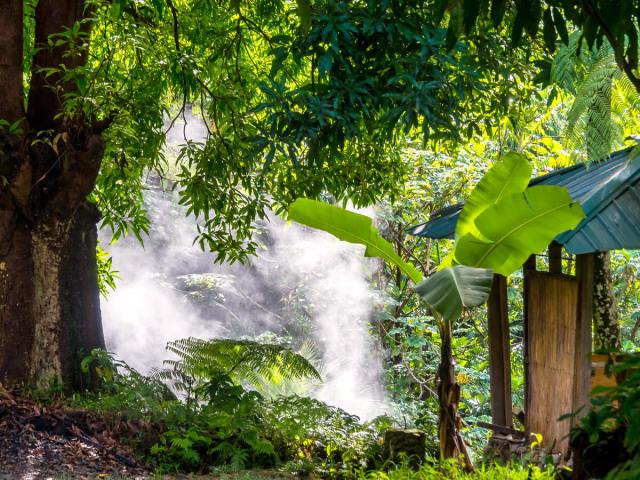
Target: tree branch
622,62
176,25
45,91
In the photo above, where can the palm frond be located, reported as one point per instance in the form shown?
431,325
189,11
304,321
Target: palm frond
565,65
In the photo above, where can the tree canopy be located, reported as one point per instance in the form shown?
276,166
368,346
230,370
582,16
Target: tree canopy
613,21
297,101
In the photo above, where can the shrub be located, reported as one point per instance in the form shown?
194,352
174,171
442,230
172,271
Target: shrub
607,440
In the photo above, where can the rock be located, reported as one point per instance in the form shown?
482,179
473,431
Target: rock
408,443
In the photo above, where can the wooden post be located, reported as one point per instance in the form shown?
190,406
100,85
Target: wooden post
529,265
499,353
582,377
555,257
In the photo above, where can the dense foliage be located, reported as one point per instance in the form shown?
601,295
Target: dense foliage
218,421
401,104
607,439
291,109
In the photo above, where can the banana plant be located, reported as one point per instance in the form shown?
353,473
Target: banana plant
502,223
351,227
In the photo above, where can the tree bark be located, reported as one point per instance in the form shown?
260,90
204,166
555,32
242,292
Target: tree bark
16,293
11,108
451,442
606,327
80,296
49,300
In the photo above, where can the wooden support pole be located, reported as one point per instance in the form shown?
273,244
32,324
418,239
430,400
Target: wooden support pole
529,265
582,377
499,353
555,257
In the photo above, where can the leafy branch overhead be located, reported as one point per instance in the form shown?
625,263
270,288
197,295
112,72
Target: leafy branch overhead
599,21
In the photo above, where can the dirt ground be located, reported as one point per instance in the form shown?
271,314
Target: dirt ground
55,443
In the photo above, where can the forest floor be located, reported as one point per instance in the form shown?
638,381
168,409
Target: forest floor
43,442
53,442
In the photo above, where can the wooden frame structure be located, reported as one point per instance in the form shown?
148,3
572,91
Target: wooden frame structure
559,331
558,306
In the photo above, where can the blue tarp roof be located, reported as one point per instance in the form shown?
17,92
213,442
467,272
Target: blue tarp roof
609,193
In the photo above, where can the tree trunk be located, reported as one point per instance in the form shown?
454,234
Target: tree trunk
81,295
11,108
606,328
49,299
16,294
451,443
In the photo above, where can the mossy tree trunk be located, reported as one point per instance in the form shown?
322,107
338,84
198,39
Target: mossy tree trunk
49,300
606,327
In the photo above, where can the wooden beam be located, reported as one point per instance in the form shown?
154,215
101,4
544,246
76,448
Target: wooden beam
529,265
555,257
499,353
582,376
516,434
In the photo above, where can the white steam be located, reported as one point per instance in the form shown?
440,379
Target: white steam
170,289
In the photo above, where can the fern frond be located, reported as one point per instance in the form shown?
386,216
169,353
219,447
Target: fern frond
565,65
589,120
244,361
239,459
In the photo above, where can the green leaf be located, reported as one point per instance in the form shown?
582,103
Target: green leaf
304,12
533,16
448,290
561,26
438,10
518,226
350,227
549,31
511,174
518,24
456,22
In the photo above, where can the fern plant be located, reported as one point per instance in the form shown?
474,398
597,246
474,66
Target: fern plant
245,362
225,430
223,422
601,93
277,386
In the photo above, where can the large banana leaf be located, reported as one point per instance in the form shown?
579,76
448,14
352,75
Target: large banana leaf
448,290
517,226
511,174
350,227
